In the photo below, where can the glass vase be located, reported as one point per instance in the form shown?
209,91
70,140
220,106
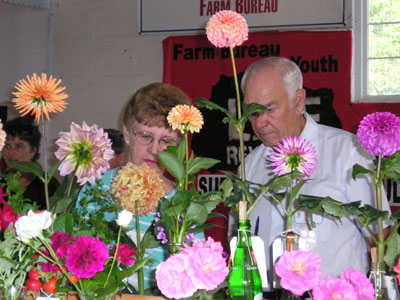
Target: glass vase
385,285
174,248
12,293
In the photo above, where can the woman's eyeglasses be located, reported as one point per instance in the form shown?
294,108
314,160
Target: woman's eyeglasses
145,138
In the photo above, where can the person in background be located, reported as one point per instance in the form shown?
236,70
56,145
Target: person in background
118,145
22,144
277,84
146,131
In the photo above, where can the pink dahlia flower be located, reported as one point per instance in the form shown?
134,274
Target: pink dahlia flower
299,271
227,29
86,150
379,133
206,267
86,256
294,153
334,288
125,254
362,286
173,279
2,137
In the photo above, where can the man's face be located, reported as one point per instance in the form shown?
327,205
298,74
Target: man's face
282,119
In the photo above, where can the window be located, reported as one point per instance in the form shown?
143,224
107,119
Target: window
377,51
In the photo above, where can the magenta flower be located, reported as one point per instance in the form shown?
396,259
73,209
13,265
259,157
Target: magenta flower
207,268
397,270
362,286
125,254
60,243
294,153
299,271
173,279
86,150
227,29
334,288
379,133
86,256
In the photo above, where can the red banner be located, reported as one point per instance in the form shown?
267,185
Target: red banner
324,57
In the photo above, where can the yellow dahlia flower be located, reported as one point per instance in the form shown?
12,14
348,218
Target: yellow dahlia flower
137,187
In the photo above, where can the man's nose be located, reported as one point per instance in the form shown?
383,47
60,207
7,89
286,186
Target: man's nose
261,121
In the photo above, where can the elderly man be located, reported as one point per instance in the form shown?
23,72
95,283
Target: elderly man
277,84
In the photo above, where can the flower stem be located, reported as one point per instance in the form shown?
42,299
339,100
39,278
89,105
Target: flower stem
378,189
138,247
114,257
290,208
46,182
70,183
186,158
239,115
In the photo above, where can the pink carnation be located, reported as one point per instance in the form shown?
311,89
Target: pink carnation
86,256
207,268
227,29
125,254
173,279
299,271
361,284
379,133
334,288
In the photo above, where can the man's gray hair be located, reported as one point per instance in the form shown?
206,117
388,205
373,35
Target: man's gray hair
291,74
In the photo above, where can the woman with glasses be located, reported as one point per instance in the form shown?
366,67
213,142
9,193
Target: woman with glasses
146,131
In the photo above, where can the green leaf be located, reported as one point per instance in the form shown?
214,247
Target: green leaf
173,165
249,109
196,213
392,251
29,167
357,169
333,207
279,182
204,103
200,163
64,223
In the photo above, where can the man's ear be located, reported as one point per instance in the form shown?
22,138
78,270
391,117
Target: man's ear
299,100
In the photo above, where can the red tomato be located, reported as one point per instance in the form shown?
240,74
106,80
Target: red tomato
33,284
73,279
50,286
33,274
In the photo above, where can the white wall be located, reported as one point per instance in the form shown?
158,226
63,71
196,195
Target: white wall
93,45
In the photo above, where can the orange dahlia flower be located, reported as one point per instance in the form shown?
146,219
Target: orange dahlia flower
38,95
182,116
227,29
137,187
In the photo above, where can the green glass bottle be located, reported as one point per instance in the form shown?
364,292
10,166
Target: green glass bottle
244,278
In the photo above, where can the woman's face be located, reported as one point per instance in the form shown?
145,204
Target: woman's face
16,149
158,138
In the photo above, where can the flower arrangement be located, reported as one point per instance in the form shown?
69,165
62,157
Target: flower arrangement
93,268
300,272
379,135
195,271
187,212
138,189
